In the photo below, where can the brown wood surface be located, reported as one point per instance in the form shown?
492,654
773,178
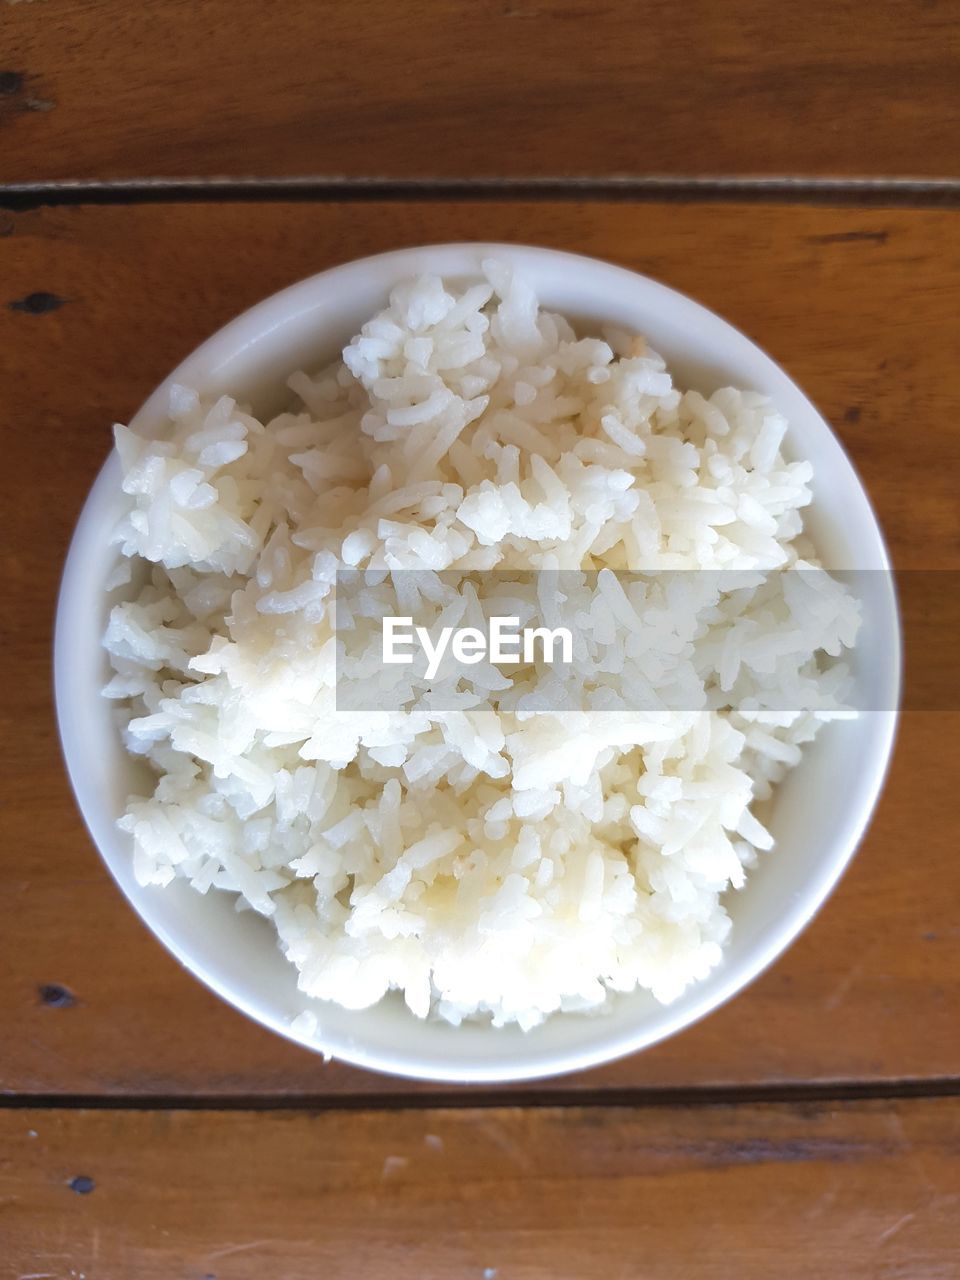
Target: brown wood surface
862,1191
98,304
107,89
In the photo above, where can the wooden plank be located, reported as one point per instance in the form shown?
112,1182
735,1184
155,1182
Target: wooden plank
860,307
857,1190
440,89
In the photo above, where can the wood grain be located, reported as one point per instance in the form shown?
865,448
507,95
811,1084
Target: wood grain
863,1191
104,89
99,303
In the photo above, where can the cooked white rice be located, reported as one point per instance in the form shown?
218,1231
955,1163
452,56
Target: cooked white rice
481,860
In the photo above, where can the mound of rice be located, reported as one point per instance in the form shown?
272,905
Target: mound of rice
486,859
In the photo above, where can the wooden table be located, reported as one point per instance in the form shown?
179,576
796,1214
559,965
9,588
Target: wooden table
166,164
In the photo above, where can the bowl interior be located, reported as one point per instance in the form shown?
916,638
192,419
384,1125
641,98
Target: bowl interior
818,814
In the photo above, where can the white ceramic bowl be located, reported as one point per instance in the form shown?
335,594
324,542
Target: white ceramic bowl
820,812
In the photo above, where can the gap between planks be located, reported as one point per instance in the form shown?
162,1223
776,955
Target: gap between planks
693,1098
857,192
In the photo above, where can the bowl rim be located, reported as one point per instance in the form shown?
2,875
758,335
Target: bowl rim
225,345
